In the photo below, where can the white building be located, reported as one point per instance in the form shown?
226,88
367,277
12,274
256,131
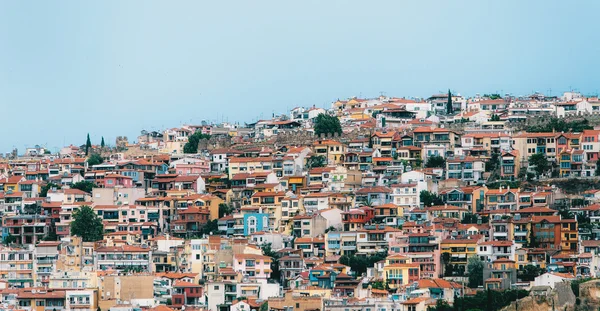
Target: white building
551,278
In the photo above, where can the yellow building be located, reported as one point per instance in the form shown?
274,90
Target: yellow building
332,150
246,165
471,198
459,251
382,141
398,274
529,144
204,201
11,184
267,202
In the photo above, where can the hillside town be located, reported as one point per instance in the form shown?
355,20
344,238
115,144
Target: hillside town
371,204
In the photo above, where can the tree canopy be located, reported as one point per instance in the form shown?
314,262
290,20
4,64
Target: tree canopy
87,224
492,96
359,264
493,163
192,144
102,142
430,198
268,251
325,124
224,209
489,300
47,187
85,185
530,272
316,161
560,125
436,161
539,162
95,159
475,270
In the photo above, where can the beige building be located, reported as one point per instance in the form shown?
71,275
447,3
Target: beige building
137,289
75,255
296,303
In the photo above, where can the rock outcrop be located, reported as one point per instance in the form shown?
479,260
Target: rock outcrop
561,298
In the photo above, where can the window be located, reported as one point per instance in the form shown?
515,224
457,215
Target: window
216,287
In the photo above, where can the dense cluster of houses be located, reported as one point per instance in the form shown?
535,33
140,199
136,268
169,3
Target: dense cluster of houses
269,222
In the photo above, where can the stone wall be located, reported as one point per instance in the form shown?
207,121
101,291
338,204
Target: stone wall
562,298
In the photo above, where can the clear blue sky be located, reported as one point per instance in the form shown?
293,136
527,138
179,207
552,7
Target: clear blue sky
115,67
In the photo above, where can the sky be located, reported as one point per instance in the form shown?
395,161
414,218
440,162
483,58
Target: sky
109,68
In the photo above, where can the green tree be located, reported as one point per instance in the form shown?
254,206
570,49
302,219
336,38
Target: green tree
492,96
565,213
316,161
597,172
430,198
475,270
87,224
379,285
9,239
224,209
495,117
530,272
493,163
51,234
560,125
532,243
470,218
436,161
445,258
264,306
46,187
95,159
325,124
449,104
88,144
211,227
539,162
85,185
192,144
268,251
359,264
102,142
441,305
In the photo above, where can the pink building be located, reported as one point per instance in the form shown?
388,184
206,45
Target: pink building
420,248
113,180
191,169
256,267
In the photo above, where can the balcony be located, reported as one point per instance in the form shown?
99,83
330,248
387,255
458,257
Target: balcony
520,232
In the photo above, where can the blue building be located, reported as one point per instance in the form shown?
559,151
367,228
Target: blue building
255,222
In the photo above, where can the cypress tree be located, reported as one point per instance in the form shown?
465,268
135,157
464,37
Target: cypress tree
102,142
449,105
88,144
